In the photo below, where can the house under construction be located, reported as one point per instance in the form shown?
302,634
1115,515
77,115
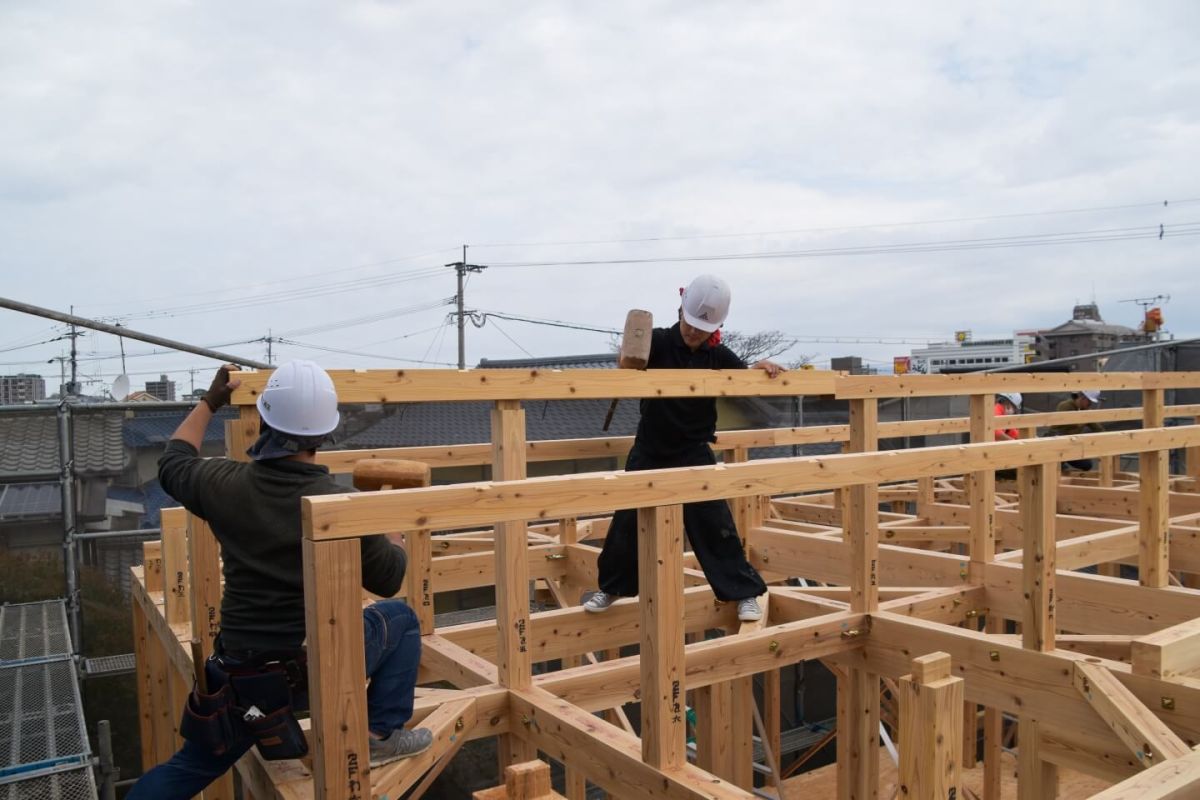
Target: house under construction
966,616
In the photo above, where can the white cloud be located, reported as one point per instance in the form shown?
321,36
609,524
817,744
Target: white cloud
159,149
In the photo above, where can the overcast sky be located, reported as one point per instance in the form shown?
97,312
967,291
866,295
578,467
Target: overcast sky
214,171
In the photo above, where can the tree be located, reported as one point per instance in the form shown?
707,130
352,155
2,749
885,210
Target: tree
752,347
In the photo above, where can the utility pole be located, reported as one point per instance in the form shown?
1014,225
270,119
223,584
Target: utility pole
73,386
462,268
270,353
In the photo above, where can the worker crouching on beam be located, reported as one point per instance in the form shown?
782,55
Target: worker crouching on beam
678,432
257,678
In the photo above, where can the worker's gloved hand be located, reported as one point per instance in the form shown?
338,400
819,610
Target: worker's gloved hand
221,390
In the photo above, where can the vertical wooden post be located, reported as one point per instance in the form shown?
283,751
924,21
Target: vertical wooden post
145,697
858,694
204,561
1036,779
1108,469
1193,464
981,489
1153,500
512,574
160,698
176,594
925,496
152,571
660,587
1038,492
337,669
241,433
1038,486
930,730
714,738
419,580
747,514
772,718
993,732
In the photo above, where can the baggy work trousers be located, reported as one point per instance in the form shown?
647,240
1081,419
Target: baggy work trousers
709,526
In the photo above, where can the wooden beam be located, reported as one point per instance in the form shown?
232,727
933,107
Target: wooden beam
660,589
419,577
931,724
1169,653
422,385
850,387
1038,484
472,504
1173,780
858,735
1037,779
337,669
862,525
1154,502
610,757
241,433
1144,734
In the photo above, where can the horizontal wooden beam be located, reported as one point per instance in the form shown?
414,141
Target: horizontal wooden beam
1144,734
425,385
861,386
473,504
1174,780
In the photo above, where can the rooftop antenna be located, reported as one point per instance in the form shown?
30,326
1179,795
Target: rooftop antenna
1147,303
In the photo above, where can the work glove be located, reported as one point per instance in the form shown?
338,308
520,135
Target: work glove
219,394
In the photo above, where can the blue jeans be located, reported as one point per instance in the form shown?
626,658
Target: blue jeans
393,654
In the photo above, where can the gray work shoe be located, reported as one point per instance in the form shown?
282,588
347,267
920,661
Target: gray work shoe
400,743
748,610
598,602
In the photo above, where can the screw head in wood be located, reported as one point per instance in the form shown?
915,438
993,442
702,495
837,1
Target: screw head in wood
994,655
1168,703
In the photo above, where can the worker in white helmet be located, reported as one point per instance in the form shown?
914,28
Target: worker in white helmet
1078,401
257,676
678,432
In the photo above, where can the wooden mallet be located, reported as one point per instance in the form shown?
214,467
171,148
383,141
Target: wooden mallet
635,349
374,474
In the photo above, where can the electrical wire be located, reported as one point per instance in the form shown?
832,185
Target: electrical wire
368,319
1027,240
496,325
867,226
383,356
554,323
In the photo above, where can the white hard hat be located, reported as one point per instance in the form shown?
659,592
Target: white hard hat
1093,395
300,400
1012,397
706,303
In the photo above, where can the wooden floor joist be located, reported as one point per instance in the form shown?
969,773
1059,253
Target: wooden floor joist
1099,678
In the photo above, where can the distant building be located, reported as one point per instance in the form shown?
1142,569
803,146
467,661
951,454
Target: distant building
1086,332
20,389
162,388
851,364
970,355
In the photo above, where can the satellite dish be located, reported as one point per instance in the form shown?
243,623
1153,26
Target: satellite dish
120,387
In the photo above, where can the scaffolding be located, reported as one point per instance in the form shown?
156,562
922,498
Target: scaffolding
972,610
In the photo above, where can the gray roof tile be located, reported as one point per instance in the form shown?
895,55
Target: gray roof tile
29,444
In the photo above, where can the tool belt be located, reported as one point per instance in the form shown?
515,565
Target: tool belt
252,699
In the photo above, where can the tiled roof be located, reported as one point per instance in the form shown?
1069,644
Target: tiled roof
467,422
29,444
23,501
155,500
154,429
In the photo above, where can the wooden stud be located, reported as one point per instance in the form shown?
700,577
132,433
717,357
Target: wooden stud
337,669
419,579
142,635
981,487
177,603
993,729
515,666
1036,779
772,721
1153,507
858,736
1037,485
660,589
930,730
204,563
714,738
152,572
241,433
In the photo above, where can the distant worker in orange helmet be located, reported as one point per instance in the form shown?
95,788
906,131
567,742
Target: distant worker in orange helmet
1078,401
1007,404
678,432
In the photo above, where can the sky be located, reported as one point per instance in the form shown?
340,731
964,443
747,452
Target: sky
220,173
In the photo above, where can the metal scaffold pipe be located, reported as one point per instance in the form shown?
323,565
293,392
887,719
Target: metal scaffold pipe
118,330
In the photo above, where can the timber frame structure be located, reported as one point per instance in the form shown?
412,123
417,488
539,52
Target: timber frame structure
1099,678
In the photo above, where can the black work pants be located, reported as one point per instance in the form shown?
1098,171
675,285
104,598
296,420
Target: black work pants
709,526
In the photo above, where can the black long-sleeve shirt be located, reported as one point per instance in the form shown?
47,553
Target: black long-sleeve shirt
671,425
254,510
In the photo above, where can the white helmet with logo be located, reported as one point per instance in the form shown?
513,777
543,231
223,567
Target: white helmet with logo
1093,395
1012,397
300,400
706,303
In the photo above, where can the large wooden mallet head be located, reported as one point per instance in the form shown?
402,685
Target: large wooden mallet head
373,474
635,341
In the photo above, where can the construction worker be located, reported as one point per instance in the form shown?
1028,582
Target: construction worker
1078,401
257,676
677,432
1007,404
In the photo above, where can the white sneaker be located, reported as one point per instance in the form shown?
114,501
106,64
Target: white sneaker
598,602
748,610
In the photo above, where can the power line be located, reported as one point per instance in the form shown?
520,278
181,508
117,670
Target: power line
386,357
496,325
866,226
1028,240
554,323
368,319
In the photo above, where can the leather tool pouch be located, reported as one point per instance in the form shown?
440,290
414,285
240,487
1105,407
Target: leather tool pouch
265,710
